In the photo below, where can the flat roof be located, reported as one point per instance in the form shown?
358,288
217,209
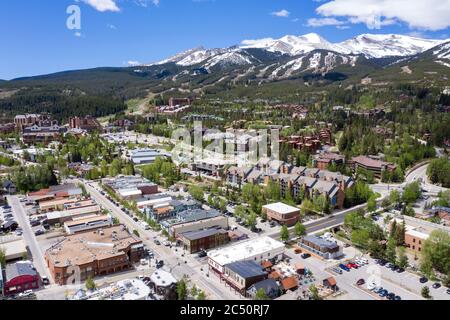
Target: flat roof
244,250
18,269
200,234
281,208
73,212
320,242
130,192
162,278
246,269
14,248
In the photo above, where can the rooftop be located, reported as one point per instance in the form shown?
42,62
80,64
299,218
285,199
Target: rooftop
281,208
246,269
21,268
89,246
245,250
320,242
195,235
162,278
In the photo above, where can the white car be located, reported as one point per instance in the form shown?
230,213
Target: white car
26,293
166,243
371,286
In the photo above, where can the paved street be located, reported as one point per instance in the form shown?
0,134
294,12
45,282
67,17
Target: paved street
29,237
173,263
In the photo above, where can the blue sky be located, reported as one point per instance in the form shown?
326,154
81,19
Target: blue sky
35,39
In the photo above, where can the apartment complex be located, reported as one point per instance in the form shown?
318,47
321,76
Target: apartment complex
42,133
100,252
87,123
323,160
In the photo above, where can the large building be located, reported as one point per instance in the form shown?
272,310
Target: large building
131,187
144,156
257,249
20,276
87,123
282,213
100,252
323,160
42,134
15,247
60,217
68,191
219,221
240,275
417,231
371,164
321,247
195,241
25,120
86,224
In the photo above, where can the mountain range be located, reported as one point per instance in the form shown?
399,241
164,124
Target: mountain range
306,58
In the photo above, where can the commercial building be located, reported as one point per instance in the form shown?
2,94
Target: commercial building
15,247
100,252
240,275
371,164
129,289
69,190
164,284
131,187
60,217
86,224
282,213
257,249
195,241
25,120
175,102
144,156
417,231
19,277
219,221
321,247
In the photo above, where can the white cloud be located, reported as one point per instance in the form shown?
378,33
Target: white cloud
103,5
417,14
321,22
156,2
77,34
111,26
282,13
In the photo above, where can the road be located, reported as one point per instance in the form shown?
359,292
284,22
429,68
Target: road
173,263
29,237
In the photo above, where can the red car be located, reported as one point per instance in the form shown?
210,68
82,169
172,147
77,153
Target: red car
352,266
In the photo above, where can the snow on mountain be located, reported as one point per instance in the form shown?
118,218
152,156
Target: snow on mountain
231,57
442,53
388,45
293,45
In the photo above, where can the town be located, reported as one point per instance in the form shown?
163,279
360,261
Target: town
225,152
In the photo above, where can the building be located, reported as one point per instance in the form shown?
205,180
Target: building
323,160
42,134
330,283
371,164
7,128
164,284
269,286
19,277
200,223
69,191
100,252
257,249
15,248
60,217
177,102
1,281
131,187
417,231
86,224
144,156
195,241
321,247
129,289
25,120
289,283
282,213
240,275
88,123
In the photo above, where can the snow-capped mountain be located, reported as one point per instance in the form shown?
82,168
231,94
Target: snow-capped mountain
388,45
294,45
441,54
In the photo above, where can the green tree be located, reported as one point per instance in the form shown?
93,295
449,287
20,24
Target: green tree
394,197
361,237
425,292
436,252
136,233
314,293
376,249
2,257
402,257
372,204
194,291
299,229
391,254
197,193
201,296
90,284
284,233
261,295
181,289
251,220
411,192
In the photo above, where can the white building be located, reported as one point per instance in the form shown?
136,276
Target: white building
257,249
130,289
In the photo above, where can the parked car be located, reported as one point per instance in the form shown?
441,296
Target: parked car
397,298
45,281
202,254
26,293
39,232
371,286
305,255
423,280
338,271
157,242
344,267
360,282
436,285
400,270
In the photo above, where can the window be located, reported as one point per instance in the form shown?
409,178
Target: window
414,240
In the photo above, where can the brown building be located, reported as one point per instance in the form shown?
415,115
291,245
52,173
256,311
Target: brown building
196,241
87,123
173,102
371,164
240,275
44,134
26,120
93,253
282,213
323,160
